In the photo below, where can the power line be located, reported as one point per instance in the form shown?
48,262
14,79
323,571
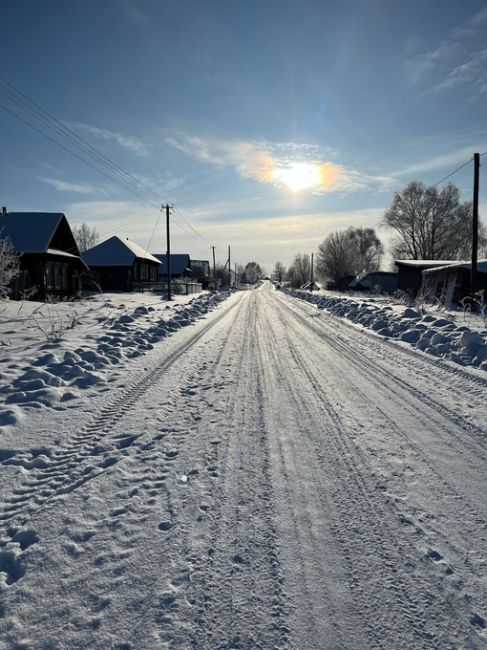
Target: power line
73,138
126,224
59,144
154,229
116,173
453,172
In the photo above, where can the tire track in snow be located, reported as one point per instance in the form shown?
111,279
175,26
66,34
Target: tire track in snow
145,480
64,471
243,594
315,607
403,397
354,461
399,353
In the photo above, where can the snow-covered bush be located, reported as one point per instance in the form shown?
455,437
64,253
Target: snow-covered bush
9,265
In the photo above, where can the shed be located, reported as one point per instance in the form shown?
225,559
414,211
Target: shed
410,273
386,281
451,283
50,262
121,265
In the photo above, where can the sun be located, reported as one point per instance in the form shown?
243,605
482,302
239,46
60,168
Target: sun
300,176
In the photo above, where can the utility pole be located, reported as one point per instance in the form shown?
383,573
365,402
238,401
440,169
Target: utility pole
229,270
235,275
475,222
312,271
214,267
168,253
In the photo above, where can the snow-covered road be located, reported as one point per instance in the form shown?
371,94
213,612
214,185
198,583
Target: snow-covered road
271,477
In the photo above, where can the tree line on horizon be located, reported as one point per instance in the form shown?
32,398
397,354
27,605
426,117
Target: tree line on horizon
428,224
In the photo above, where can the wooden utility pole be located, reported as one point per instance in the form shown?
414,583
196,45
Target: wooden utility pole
214,267
168,254
312,271
229,270
235,275
475,222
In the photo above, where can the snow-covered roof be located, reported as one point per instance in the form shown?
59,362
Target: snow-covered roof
116,252
180,262
30,232
481,267
56,251
425,263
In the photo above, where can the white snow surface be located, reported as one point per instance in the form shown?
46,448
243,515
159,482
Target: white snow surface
433,333
270,477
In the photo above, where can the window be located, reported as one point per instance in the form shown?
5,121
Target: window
49,276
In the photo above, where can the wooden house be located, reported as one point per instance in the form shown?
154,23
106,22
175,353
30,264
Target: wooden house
121,265
50,262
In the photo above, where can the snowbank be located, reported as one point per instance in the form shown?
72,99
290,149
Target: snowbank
56,370
435,335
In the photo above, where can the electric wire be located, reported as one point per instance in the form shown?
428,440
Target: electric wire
59,144
124,179
154,230
126,224
72,137
62,130
453,172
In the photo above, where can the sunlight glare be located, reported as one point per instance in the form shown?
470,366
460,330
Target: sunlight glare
300,176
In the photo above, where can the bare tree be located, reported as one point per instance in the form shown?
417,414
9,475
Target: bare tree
335,257
300,270
366,250
85,236
279,272
9,265
429,224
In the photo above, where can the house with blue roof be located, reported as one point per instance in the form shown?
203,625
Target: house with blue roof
180,266
50,261
118,264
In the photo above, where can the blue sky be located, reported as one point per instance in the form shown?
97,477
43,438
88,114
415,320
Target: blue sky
267,123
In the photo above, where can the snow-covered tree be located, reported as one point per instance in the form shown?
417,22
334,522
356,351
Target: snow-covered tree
279,272
253,272
9,265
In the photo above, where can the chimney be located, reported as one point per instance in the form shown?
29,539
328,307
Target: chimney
4,211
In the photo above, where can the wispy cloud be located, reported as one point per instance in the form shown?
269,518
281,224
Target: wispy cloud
279,163
434,163
130,142
459,61
269,238
68,186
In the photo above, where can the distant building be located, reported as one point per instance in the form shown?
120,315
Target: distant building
451,283
201,272
410,273
180,266
121,265
50,262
